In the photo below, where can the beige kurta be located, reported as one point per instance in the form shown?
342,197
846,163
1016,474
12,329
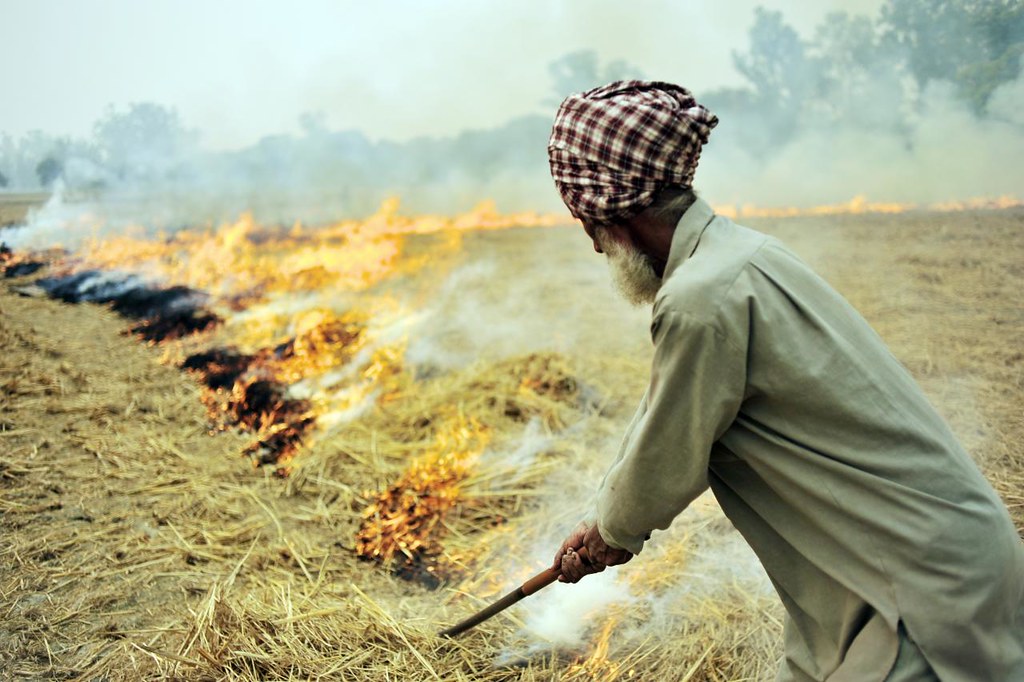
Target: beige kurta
869,517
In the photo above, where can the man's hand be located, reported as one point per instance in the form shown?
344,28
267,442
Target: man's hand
600,554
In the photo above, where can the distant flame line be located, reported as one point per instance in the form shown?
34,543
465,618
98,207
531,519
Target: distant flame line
861,205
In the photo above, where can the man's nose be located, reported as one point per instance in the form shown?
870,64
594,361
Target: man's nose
597,248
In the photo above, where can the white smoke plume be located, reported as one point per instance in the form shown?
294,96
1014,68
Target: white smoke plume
564,613
949,154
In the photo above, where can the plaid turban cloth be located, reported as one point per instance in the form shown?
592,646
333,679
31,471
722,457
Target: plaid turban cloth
613,148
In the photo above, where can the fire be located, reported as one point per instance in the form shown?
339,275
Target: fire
245,261
241,392
322,341
860,204
403,524
978,203
255,311
281,390
599,665
19,264
378,381
282,358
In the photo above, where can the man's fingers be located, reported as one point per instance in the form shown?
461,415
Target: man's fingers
564,570
573,563
575,541
566,547
574,567
557,562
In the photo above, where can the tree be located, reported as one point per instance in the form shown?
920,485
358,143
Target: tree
976,44
580,71
148,142
48,170
784,77
3,180
856,68
847,44
313,123
777,64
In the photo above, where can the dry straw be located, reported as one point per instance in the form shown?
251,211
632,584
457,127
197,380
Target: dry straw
135,545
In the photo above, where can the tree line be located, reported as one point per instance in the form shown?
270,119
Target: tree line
853,72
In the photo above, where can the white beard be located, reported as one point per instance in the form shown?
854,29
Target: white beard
632,272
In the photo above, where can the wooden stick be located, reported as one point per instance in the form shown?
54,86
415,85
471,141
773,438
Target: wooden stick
534,584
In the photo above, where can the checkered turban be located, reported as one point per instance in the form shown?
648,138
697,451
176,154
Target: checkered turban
613,148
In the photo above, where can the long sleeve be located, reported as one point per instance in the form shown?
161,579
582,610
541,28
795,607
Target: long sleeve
697,383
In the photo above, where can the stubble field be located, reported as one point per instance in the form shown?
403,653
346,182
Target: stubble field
136,545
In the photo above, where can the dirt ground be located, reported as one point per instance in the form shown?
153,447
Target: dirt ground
136,545
14,207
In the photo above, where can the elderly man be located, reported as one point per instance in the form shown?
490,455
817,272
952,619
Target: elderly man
894,557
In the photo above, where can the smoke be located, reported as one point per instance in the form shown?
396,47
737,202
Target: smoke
567,612
946,154
814,114
887,142
505,301
936,150
524,452
52,224
700,557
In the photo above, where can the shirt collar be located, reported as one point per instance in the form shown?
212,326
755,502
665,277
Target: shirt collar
687,234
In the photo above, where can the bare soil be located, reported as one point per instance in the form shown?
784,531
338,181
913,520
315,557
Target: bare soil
14,207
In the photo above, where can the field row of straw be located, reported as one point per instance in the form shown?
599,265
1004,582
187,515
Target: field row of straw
136,545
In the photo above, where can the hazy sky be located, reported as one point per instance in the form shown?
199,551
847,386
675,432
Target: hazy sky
238,70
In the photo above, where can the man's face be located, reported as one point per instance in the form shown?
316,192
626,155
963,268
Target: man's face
633,273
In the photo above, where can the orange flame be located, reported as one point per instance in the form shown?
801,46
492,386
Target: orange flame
860,205
598,665
305,365
309,366
244,259
402,524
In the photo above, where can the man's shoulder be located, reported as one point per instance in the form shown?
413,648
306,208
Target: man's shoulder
706,281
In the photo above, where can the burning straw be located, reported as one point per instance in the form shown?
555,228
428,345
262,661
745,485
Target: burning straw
250,391
135,547
188,286
422,526
403,525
